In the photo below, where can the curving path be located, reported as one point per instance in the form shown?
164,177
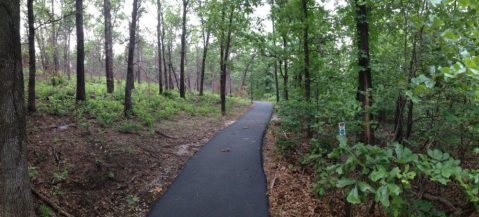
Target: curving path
225,178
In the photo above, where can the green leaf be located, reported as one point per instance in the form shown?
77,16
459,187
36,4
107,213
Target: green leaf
353,196
394,189
378,174
365,187
345,182
382,195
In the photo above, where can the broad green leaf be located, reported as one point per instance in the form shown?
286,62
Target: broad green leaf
382,195
345,182
365,187
353,196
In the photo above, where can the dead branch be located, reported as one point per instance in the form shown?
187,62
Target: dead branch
50,203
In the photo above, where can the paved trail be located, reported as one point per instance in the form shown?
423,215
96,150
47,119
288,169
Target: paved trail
225,178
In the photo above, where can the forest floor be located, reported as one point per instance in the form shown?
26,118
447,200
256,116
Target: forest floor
96,171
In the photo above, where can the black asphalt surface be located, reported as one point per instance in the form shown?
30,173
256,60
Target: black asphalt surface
225,178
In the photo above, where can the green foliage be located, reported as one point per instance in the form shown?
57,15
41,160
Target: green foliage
107,109
60,175
129,127
45,211
385,174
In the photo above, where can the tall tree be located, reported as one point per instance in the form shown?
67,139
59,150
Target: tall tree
15,196
80,92
307,77
225,45
31,58
159,47
108,47
364,78
131,53
205,32
183,50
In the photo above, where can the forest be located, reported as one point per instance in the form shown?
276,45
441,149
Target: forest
105,105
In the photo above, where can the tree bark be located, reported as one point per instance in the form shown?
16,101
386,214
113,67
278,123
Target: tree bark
225,44
159,45
183,50
32,58
15,196
108,47
203,61
364,78
80,91
131,53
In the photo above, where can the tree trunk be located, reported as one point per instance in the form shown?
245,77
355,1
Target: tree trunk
108,47
285,76
80,92
206,41
32,58
364,78
131,53
307,78
183,50
56,64
15,196
225,44
159,45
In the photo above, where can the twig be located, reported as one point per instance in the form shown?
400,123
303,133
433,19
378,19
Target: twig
164,135
272,182
51,203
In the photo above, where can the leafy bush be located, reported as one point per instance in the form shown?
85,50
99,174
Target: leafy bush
385,174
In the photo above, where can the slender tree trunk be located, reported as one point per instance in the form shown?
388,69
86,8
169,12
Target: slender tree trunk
225,44
108,47
56,64
32,58
364,78
285,76
159,45
307,78
183,50
15,196
206,41
131,53
80,92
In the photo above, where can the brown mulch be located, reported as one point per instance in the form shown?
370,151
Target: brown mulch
90,171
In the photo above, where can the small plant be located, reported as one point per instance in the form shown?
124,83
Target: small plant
45,211
32,172
110,175
129,127
60,176
132,199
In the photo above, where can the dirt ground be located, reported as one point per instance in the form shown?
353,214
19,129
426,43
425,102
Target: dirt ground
91,171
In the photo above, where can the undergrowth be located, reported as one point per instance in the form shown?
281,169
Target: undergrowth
57,97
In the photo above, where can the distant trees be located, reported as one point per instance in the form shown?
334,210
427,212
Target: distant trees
15,196
80,89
